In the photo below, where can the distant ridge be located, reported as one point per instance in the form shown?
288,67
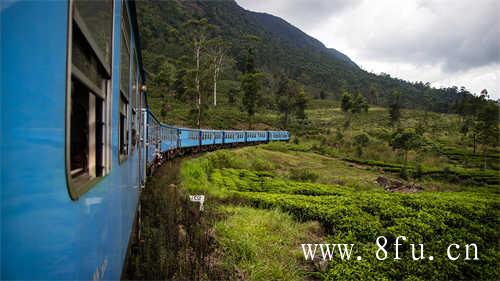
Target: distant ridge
282,49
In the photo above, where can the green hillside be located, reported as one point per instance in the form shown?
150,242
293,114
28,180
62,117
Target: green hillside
280,49
369,156
264,202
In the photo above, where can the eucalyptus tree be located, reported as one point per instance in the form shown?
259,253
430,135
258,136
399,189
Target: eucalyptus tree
217,52
198,34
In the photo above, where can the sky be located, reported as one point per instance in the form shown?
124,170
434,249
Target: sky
444,42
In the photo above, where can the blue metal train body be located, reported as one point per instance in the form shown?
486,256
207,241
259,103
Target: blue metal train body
77,138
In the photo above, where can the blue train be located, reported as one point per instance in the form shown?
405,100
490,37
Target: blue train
77,137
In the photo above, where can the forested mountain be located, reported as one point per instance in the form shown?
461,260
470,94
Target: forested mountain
280,49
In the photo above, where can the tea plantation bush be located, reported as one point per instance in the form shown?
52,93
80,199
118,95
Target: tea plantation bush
436,220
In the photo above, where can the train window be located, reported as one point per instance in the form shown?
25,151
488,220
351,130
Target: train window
97,17
123,126
151,133
123,129
88,138
135,86
135,90
125,56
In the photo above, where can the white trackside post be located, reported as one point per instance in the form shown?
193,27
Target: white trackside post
198,198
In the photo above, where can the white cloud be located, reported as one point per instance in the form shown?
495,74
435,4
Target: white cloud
444,42
302,13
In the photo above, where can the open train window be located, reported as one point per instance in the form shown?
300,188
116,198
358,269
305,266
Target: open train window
123,126
88,102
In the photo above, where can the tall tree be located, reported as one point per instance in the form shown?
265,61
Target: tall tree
198,33
405,140
395,108
217,53
322,95
301,104
346,102
361,141
346,105
286,99
232,95
373,94
359,104
165,78
250,85
487,128
179,86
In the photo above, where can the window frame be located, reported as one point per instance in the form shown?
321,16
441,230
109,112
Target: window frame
125,37
74,20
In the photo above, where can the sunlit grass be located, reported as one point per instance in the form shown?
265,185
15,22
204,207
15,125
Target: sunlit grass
263,244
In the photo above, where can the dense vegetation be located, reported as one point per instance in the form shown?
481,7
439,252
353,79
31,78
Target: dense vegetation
279,49
323,176
355,210
274,194
356,135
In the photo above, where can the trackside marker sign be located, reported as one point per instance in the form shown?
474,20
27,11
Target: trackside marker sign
198,198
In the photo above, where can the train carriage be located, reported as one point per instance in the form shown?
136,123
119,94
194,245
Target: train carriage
169,138
218,137
78,137
233,137
71,101
207,137
189,138
278,135
256,136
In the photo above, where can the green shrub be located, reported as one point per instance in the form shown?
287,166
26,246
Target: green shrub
418,172
403,173
307,175
259,164
226,159
361,140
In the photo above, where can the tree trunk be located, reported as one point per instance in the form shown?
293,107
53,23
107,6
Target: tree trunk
215,86
217,58
197,82
484,159
474,140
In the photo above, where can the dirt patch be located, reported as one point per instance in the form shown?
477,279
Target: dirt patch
398,186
